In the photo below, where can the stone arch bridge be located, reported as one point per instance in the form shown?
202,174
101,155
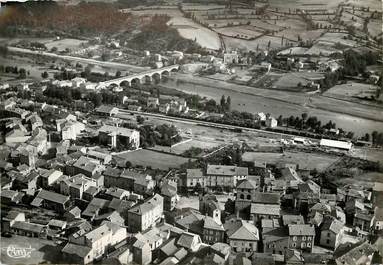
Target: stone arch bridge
141,77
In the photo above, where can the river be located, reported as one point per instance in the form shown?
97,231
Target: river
254,104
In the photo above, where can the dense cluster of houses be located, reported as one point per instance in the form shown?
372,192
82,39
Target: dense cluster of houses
98,209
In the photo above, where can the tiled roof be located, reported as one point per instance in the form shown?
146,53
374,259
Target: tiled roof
331,224
226,170
301,230
77,250
269,209
242,230
266,198
52,196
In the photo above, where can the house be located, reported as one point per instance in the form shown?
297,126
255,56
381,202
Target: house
48,177
301,237
212,229
189,241
9,220
194,178
271,122
76,185
334,144
72,213
363,220
143,185
331,232
246,190
69,129
354,254
95,207
259,211
23,228
208,205
26,182
51,200
84,165
77,81
288,219
169,193
377,219
16,136
152,102
275,241
224,177
146,214
142,253
84,248
104,158
35,121
164,108
113,136
231,58
260,116
107,111
242,236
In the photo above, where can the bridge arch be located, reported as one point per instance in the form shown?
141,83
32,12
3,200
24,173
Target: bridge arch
135,81
125,83
148,79
165,73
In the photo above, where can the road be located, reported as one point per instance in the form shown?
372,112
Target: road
203,123
120,66
371,154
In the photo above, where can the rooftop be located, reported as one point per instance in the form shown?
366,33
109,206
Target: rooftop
226,170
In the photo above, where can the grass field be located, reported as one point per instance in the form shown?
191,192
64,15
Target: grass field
63,44
181,148
305,160
352,89
154,159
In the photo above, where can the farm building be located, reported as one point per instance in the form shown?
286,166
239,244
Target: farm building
336,144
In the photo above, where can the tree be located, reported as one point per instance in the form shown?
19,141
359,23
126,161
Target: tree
22,73
367,137
304,116
140,119
3,51
118,74
228,103
105,56
44,75
223,101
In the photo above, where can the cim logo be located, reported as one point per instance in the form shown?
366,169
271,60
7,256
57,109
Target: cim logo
17,252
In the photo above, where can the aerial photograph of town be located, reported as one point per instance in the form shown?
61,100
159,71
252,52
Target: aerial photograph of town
218,132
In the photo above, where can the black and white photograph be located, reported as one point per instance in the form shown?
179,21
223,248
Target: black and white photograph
191,132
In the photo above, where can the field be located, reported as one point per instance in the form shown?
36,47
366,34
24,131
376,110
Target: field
63,44
43,251
352,89
305,160
291,80
375,27
181,148
154,159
